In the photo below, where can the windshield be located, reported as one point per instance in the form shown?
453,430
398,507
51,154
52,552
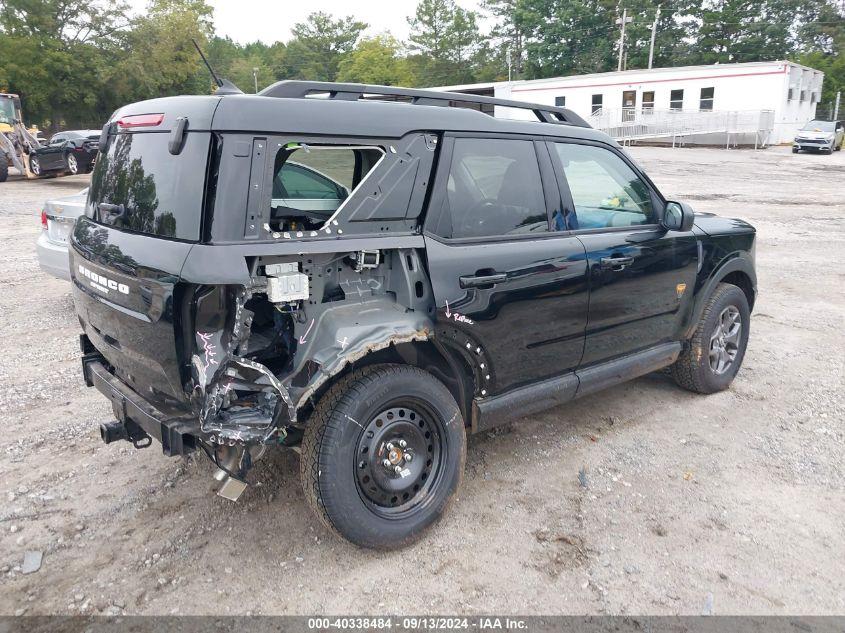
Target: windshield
139,186
7,111
818,126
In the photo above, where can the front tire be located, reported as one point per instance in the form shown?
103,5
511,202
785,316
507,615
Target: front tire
383,455
4,168
715,352
35,165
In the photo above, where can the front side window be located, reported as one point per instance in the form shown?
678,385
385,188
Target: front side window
605,190
493,189
706,102
311,182
676,100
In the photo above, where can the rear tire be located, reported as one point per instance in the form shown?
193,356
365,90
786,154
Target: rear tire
354,464
716,349
795,150
4,168
72,163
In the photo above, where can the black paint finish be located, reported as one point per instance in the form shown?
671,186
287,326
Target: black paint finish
639,304
134,330
531,324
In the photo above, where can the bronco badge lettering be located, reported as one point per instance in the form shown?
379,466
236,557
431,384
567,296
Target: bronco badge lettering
103,284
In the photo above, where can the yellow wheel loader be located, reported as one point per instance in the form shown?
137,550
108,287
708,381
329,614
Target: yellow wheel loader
16,142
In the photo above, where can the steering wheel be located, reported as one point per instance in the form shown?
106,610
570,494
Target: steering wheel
478,215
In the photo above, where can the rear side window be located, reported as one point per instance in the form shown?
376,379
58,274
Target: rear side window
494,189
605,190
311,182
139,186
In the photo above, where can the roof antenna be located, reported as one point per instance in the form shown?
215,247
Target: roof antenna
224,86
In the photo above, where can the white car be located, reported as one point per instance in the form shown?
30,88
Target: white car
57,220
824,136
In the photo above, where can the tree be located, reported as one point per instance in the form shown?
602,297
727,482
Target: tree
54,53
824,49
446,40
162,59
508,34
752,30
318,46
564,37
376,60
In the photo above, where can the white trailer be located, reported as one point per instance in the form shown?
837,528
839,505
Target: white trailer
687,103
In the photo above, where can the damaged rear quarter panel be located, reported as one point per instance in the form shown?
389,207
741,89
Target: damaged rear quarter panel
350,314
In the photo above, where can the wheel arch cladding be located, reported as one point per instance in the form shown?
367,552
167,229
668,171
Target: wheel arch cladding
741,279
737,269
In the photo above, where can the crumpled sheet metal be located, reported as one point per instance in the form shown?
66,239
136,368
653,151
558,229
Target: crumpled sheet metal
346,333
218,371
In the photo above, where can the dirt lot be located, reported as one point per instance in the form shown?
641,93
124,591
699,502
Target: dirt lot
731,503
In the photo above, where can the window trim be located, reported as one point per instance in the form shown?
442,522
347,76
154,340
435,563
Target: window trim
702,99
658,202
435,208
671,100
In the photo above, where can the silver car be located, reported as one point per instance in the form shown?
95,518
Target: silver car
57,219
825,136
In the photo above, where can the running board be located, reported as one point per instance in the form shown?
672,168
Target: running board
518,403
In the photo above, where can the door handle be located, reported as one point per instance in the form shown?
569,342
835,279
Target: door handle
616,263
476,281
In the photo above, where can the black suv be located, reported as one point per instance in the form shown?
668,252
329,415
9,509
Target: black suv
364,274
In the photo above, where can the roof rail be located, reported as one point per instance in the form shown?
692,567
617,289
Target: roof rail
294,89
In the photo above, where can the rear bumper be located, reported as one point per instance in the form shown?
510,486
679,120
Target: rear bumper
177,435
53,258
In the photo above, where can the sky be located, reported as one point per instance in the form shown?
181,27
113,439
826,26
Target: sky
271,20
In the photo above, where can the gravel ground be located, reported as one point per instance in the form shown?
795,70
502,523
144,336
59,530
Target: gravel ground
730,503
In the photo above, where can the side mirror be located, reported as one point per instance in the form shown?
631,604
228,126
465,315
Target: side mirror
678,216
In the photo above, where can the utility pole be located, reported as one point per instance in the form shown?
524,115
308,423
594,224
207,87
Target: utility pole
653,35
510,62
836,107
622,21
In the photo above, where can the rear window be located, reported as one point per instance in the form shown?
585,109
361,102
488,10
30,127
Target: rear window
139,186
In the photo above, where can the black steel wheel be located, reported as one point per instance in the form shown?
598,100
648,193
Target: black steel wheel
383,454
399,458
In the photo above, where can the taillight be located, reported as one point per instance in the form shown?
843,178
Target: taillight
140,120
43,219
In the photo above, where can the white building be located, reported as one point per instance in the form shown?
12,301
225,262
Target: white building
781,94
